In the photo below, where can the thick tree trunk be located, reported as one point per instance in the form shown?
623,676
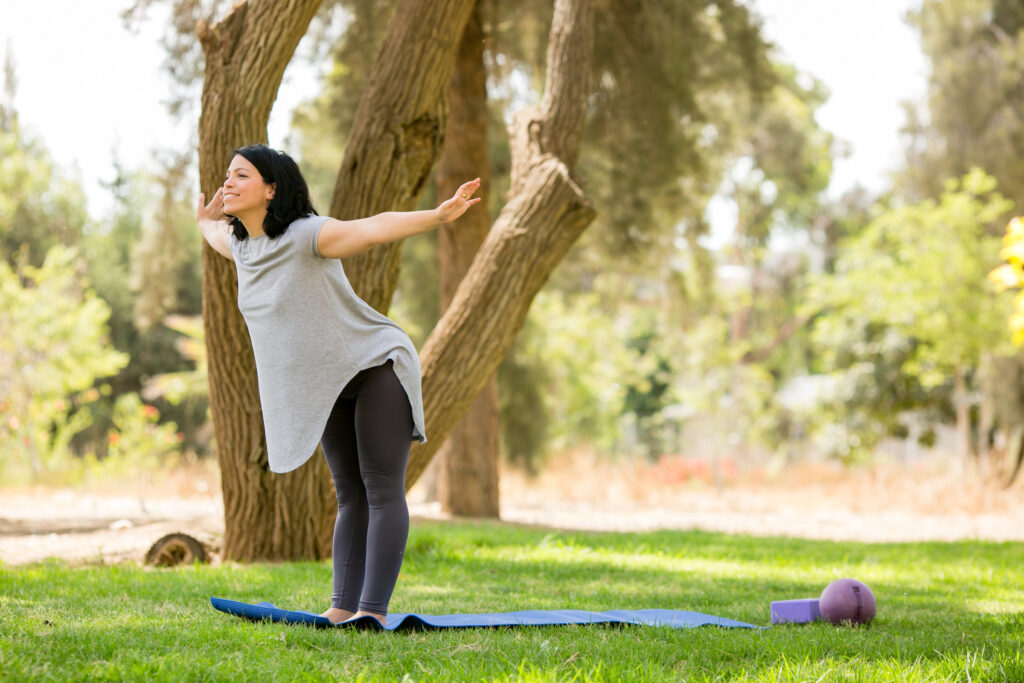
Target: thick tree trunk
468,468
395,140
265,515
398,132
545,214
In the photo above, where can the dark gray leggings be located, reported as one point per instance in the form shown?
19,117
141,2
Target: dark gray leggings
366,444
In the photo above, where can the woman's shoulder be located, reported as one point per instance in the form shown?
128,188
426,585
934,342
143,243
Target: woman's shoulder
310,221
307,219
305,230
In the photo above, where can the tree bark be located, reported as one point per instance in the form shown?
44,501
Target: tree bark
246,55
468,474
546,212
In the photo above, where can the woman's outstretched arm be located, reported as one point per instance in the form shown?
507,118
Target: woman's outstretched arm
212,224
339,239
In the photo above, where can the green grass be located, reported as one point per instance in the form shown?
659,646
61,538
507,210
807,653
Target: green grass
947,612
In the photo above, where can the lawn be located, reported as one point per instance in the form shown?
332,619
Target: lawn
946,611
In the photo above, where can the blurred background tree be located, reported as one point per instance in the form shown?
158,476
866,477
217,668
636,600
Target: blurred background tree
42,214
40,207
973,114
912,288
970,119
52,351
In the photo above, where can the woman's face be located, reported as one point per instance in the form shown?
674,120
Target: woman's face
244,188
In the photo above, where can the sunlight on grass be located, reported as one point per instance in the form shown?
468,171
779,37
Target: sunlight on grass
1008,605
424,591
946,612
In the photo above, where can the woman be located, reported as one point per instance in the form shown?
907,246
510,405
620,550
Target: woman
330,368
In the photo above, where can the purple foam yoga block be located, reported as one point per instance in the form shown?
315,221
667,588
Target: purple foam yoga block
795,611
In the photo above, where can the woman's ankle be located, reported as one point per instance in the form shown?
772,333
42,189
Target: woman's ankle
337,615
382,618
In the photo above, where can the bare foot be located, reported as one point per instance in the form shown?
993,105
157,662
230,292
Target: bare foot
379,617
337,615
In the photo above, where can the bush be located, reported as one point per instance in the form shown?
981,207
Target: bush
53,348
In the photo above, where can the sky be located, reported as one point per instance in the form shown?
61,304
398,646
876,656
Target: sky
86,97
870,60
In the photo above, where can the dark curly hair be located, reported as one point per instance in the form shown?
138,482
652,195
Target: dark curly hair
291,194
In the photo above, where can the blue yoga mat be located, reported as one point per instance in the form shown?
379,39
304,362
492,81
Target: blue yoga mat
266,611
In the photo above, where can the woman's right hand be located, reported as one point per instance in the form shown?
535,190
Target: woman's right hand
213,224
214,211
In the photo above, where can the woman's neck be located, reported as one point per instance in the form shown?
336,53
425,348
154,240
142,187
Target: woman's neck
252,221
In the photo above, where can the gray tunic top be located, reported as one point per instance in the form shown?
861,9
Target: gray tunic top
310,335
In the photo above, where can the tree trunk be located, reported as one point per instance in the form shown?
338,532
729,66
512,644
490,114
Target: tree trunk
545,214
962,406
395,139
468,474
246,54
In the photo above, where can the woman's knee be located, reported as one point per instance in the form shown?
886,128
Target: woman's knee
384,491
349,490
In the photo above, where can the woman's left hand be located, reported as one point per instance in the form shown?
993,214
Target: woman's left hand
460,201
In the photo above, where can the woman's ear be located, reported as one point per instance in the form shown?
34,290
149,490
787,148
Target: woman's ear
271,188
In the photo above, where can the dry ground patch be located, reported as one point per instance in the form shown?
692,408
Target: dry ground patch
117,522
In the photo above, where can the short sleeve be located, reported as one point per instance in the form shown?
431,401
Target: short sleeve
310,227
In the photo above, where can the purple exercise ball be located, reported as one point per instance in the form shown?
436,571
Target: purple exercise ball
847,600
